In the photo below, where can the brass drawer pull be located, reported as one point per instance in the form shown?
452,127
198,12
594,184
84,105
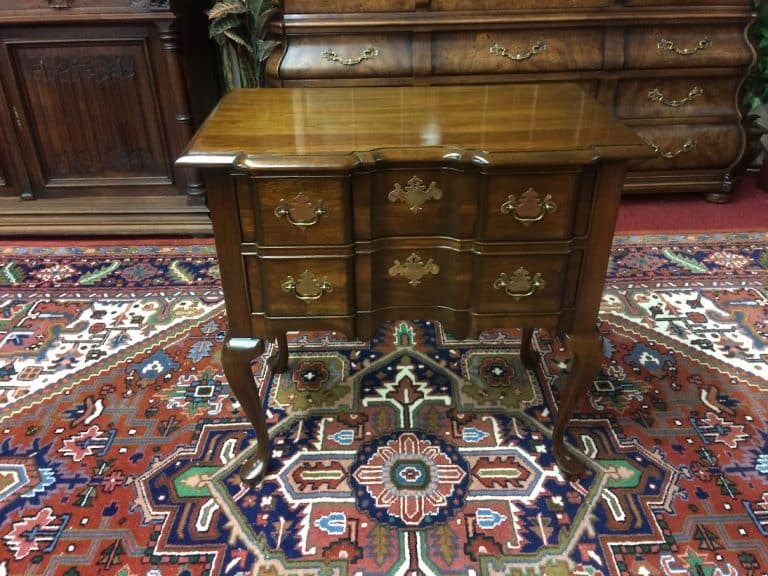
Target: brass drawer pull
656,95
669,46
415,193
58,3
414,269
519,284
529,202
308,287
367,54
689,145
300,211
536,48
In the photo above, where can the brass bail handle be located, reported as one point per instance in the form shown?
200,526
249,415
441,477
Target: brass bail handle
536,48
519,284
368,53
669,46
528,202
307,286
301,211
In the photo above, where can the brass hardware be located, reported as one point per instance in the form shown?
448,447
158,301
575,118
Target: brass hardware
536,48
58,3
669,46
656,95
529,202
367,54
300,211
414,269
308,287
519,284
16,116
689,145
415,193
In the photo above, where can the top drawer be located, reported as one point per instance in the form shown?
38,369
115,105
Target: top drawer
335,6
527,50
294,211
63,6
676,3
347,55
686,46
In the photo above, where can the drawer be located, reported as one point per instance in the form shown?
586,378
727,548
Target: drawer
415,277
677,3
690,146
347,55
295,211
62,6
529,206
309,286
418,202
343,6
686,46
525,50
665,97
525,283
518,4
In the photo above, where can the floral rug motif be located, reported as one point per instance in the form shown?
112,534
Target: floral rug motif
411,454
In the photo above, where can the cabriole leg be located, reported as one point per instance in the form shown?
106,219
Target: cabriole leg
528,356
279,363
586,351
236,358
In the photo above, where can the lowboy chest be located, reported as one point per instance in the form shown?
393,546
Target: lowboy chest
476,206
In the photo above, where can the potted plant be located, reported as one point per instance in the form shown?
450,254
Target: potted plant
239,27
756,95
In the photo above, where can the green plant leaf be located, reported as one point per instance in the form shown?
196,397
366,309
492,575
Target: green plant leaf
222,8
264,48
237,39
221,25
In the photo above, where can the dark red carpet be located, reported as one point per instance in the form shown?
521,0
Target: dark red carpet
746,212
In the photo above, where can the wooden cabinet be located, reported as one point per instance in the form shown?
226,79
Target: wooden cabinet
95,109
672,70
369,204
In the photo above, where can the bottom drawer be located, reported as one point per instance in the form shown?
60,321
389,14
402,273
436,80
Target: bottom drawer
525,283
690,146
419,277
301,286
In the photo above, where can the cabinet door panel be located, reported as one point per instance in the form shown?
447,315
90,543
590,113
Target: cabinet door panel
12,176
90,110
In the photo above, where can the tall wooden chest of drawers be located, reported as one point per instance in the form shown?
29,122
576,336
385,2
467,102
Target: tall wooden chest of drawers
670,69
478,206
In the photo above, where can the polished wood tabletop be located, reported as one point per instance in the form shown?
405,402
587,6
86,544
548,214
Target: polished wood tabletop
483,121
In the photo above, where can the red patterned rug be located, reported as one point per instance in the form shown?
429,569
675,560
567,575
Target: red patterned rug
411,454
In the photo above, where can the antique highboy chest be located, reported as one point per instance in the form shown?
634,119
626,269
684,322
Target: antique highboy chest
670,69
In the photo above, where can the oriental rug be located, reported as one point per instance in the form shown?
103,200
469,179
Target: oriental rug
410,454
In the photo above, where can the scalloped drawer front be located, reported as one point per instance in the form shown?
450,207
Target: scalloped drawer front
676,97
347,56
507,51
717,45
